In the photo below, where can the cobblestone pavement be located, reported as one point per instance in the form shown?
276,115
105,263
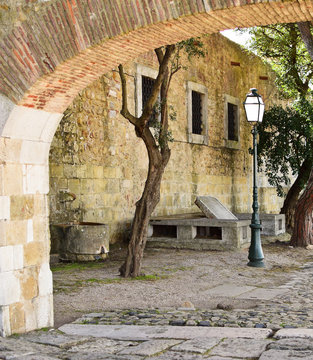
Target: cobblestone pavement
293,309
96,342
277,330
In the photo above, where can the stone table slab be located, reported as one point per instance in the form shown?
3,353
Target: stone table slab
213,208
142,333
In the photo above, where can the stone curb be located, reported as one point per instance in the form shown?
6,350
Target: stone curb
142,333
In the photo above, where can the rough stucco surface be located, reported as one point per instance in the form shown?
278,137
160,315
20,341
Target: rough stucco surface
96,155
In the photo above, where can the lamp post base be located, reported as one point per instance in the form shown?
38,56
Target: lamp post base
256,263
256,256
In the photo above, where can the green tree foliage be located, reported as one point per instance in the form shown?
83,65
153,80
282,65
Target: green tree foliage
282,47
285,136
286,141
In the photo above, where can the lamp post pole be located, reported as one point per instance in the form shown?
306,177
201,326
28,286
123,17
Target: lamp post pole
255,251
254,108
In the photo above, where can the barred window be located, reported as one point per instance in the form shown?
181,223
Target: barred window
196,112
232,114
231,122
147,86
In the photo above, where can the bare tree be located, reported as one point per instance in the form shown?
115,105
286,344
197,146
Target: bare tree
156,140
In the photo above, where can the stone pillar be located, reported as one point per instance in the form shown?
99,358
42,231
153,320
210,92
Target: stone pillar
26,281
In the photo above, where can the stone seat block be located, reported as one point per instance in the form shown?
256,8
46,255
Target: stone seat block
272,224
198,233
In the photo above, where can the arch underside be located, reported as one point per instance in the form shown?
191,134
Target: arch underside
63,47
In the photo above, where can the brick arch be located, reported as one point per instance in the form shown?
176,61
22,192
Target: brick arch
57,50
62,47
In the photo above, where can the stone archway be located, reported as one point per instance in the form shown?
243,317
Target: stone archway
48,54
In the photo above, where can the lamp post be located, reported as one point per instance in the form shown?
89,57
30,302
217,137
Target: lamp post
254,108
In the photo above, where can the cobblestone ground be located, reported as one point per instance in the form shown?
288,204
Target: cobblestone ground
96,342
190,277
280,328
294,309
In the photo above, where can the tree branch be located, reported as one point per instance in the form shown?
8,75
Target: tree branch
159,54
305,31
144,118
125,112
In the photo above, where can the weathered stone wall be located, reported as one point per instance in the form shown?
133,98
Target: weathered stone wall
96,158
25,276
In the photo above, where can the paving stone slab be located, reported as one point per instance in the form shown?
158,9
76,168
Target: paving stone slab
32,357
224,358
198,345
294,333
262,294
141,333
17,348
229,290
55,339
101,356
105,345
241,348
150,348
173,355
213,208
297,344
286,355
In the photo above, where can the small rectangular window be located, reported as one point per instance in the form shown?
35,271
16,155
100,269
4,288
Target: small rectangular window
147,86
232,114
196,112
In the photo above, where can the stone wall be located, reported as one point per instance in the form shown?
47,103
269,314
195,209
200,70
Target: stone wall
98,166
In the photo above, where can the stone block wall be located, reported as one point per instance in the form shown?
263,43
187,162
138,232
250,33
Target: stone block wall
98,166
25,276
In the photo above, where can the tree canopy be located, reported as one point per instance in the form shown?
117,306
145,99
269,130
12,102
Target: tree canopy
283,48
286,142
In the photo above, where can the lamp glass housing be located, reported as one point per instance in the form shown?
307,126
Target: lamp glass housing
254,106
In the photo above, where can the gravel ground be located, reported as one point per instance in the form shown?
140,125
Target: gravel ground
174,277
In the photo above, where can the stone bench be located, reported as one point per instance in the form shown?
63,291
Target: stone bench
272,224
216,228
197,232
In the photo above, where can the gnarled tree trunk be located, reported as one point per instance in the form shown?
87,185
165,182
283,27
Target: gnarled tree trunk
144,208
290,202
303,229
159,155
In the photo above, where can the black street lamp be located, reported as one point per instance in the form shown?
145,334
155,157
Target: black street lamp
254,108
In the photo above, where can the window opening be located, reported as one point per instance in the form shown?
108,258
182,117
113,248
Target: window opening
209,232
244,232
147,86
196,112
168,231
232,121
